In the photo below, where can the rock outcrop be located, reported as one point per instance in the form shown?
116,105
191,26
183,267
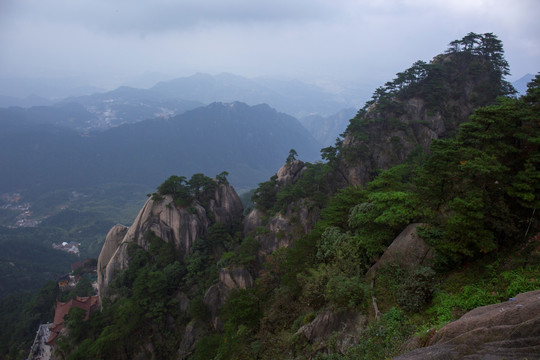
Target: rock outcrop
177,225
509,330
229,279
347,324
407,250
112,243
283,228
290,172
387,133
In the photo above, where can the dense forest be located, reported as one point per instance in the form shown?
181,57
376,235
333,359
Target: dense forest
472,193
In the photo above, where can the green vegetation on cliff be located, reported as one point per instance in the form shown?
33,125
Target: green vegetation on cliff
473,194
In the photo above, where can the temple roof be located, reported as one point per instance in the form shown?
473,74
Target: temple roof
89,304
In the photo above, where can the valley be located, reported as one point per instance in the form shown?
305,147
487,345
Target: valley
419,216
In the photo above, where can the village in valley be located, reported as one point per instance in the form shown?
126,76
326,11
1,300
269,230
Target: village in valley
13,202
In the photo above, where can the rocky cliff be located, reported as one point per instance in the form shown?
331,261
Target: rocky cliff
508,330
281,229
384,133
177,225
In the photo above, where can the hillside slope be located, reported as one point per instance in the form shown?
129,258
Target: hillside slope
247,141
425,211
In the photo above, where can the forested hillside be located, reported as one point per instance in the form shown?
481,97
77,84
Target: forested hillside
425,209
247,141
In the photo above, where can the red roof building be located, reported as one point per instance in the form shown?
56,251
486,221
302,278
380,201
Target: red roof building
89,304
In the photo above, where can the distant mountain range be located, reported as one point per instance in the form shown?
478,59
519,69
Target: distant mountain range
168,98
250,142
325,129
521,84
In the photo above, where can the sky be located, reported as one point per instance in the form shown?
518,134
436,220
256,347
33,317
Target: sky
107,43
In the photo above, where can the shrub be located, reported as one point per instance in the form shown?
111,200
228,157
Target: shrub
416,290
345,292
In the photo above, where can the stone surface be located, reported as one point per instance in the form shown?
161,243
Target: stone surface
236,278
290,172
112,242
229,279
192,333
177,225
252,221
407,250
283,228
508,330
390,133
348,324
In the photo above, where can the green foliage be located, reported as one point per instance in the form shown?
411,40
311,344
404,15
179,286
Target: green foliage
242,314
21,315
485,45
264,197
494,286
346,252
292,156
482,183
146,308
381,338
244,255
198,310
199,187
222,177
346,292
336,213
202,264
314,184
242,308
207,348
416,289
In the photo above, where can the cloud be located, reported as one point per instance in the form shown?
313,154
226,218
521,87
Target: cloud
146,16
368,41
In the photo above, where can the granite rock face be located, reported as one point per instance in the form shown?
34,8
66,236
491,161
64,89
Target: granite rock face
290,172
407,250
347,324
508,330
177,225
281,229
235,278
386,134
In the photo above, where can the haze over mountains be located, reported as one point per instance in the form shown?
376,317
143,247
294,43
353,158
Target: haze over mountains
144,135
290,96
249,142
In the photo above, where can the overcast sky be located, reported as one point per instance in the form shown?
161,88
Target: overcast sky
110,42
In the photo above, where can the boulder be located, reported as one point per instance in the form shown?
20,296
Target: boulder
229,279
192,333
508,330
236,278
347,324
290,172
252,221
407,250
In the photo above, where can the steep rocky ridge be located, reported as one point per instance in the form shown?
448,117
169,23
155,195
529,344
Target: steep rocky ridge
177,225
310,313
384,133
281,229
